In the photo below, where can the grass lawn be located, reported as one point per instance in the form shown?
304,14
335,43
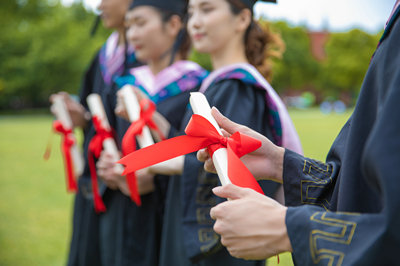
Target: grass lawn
35,210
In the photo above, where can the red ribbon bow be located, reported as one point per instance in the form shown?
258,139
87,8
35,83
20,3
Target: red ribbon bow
200,133
67,142
147,109
95,148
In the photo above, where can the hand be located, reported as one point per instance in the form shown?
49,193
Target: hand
145,181
120,108
110,172
78,113
160,120
252,226
264,163
171,167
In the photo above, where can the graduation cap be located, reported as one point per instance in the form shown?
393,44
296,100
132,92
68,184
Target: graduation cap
175,6
251,3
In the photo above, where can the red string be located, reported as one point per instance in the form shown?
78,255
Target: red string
95,148
67,142
147,109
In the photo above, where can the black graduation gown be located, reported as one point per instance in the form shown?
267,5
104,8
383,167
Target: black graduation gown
85,246
188,236
346,211
130,235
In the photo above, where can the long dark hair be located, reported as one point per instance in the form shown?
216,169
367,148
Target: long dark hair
182,42
260,44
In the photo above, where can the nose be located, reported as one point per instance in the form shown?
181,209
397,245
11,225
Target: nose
194,21
131,35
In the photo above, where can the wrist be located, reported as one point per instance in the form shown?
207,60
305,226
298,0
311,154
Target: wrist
278,164
285,244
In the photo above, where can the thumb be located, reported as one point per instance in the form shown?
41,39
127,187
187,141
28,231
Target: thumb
224,122
230,191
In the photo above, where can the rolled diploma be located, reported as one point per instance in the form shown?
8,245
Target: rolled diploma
145,139
201,107
62,115
97,109
133,108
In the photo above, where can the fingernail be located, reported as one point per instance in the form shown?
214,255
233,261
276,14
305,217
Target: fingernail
216,189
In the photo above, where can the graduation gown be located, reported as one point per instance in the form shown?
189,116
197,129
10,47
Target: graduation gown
188,235
346,211
85,246
130,235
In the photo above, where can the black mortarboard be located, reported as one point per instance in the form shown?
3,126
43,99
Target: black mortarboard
251,3
175,6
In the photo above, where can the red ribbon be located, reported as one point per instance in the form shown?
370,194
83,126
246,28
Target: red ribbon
200,133
147,109
67,142
95,148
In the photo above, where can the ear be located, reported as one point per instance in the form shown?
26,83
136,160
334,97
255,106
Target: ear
174,25
243,20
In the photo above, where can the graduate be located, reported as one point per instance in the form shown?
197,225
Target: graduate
156,30
110,61
227,32
341,212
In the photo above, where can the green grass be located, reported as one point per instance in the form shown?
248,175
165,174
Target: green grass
35,210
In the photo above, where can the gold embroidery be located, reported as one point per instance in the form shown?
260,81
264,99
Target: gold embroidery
203,216
340,231
208,238
319,179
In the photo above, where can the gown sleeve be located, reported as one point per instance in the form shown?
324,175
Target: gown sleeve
320,237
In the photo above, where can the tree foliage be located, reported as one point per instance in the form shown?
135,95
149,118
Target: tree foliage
44,47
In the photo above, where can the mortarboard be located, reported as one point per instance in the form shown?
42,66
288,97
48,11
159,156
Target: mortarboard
251,3
175,6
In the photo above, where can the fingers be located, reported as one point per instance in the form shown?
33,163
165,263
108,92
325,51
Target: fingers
231,191
224,122
203,155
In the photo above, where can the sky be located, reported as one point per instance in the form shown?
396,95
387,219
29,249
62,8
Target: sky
337,15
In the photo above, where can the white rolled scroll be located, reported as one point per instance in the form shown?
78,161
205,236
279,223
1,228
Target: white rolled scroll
97,109
61,112
133,108
201,107
145,139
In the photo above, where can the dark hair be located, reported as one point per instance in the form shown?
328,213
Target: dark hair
260,44
182,43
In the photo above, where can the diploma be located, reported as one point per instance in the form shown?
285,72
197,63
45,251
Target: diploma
201,107
97,109
202,131
62,115
133,109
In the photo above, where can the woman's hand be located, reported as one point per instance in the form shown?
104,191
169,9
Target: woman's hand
77,112
109,171
264,163
111,174
252,226
171,167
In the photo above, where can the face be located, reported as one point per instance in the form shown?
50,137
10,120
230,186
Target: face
113,12
211,24
148,34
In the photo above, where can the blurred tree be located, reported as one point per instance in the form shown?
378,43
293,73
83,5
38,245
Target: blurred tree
348,57
297,68
44,47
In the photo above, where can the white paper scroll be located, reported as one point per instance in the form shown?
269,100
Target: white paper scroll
201,107
97,109
59,108
133,108
145,139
